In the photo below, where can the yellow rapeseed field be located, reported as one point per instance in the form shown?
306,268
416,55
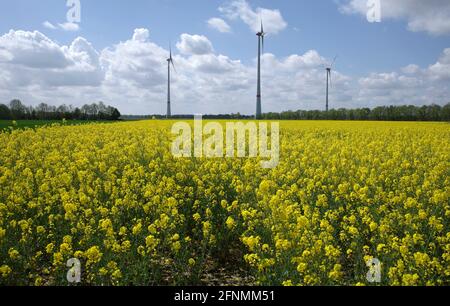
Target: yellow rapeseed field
113,196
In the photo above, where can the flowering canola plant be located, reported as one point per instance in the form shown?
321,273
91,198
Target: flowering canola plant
114,197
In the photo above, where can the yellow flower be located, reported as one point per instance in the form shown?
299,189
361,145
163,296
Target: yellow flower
381,247
137,229
152,229
251,259
332,252
5,270
343,192
49,248
191,262
410,279
93,255
126,246
353,230
176,246
224,204
282,244
231,224
251,242
301,267
57,259
422,214
123,231
103,271
38,281
421,259
206,228
141,250
39,230
13,254
197,217
116,275
65,248
151,242
336,274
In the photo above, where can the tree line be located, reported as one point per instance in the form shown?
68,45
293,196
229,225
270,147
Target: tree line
189,117
383,113
16,110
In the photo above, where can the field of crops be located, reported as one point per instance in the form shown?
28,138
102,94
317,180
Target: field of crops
114,197
32,124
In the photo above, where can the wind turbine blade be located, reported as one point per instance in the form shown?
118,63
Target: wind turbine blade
173,65
334,61
170,57
262,27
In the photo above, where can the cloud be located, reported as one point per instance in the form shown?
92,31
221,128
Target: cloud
49,25
194,44
411,69
32,58
141,34
411,85
219,25
136,63
241,9
431,16
31,49
440,71
68,26
132,75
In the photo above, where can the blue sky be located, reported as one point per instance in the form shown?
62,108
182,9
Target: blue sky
328,27
362,46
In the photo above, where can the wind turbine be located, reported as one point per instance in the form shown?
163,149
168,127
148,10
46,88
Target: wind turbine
329,68
260,35
169,62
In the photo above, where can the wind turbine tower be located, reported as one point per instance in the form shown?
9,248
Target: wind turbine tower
169,63
329,83
260,35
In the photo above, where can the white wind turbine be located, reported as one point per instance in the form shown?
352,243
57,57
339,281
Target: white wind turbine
260,35
169,63
329,81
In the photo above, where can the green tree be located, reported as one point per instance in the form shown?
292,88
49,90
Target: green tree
5,113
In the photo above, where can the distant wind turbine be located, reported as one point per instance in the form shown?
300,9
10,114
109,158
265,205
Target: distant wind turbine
329,82
169,63
260,35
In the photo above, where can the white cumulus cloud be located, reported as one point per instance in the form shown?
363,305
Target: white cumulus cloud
431,16
194,44
67,26
49,25
241,9
219,24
